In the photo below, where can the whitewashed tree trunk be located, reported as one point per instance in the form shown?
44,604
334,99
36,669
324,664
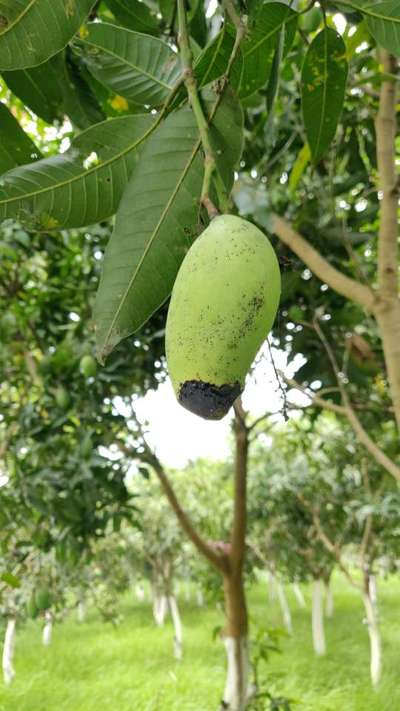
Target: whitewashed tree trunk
318,632
374,639
81,611
373,589
328,601
299,595
160,608
200,598
238,689
139,592
8,651
271,582
48,628
285,609
176,620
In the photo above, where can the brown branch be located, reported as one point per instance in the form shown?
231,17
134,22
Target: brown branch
339,282
219,561
333,550
238,534
348,411
385,126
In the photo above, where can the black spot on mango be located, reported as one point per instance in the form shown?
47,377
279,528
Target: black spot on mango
223,305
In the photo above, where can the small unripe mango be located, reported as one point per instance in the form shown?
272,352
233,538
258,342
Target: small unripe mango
88,366
223,305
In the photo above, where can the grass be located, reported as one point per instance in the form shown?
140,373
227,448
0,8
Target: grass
94,667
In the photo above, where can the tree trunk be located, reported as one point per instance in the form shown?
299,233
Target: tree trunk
374,639
81,611
176,620
318,618
8,651
200,598
48,628
271,582
299,595
328,600
285,609
139,592
372,589
388,318
160,608
238,689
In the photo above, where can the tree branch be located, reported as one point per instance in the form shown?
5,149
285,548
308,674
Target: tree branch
332,549
385,126
221,562
339,282
348,411
238,534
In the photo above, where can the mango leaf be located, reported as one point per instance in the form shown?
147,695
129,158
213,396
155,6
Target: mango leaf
323,86
156,223
299,167
83,185
38,88
11,580
79,101
135,15
140,67
16,148
258,49
212,62
54,89
32,31
383,21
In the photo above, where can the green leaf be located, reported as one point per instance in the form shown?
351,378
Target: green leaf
156,222
38,88
16,148
83,185
323,86
299,167
212,62
135,15
79,102
56,88
383,21
259,48
32,31
10,580
139,67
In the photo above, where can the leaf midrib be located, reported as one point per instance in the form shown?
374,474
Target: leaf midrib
366,11
87,171
18,18
324,91
149,245
289,18
139,70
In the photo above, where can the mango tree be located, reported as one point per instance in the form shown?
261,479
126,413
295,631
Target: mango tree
166,164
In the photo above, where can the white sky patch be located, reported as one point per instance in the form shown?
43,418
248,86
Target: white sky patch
3,480
179,436
212,7
340,22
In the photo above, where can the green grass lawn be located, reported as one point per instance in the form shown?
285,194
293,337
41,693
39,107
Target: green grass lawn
94,667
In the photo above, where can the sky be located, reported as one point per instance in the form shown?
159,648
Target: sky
178,436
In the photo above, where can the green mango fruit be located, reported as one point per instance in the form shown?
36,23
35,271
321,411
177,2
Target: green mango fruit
88,366
62,398
223,305
43,599
31,607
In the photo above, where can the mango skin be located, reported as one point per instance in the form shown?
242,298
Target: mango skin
223,305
